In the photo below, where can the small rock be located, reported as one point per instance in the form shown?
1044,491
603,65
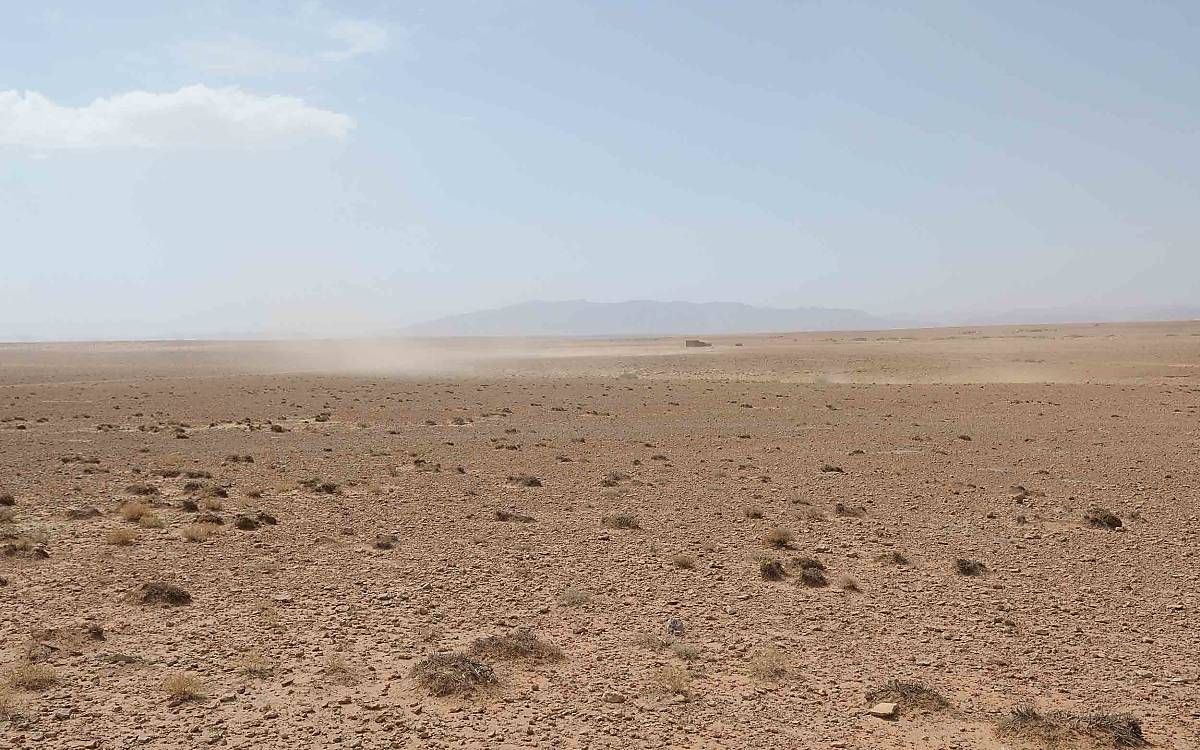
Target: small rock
883,710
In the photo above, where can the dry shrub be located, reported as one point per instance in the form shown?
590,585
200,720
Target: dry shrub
812,572
908,696
452,674
684,561
7,515
574,597
151,521
121,537
770,664
339,669
673,681
621,521
753,511
183,687
651,641
965,567
892,558
9,708
849,585
158,592
778,538
1055,728
1102,518
256,665
198,532
504,515
685,651
32,677
134,511
519,644
772,570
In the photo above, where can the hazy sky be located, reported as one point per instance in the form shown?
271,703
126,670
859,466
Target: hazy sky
177,168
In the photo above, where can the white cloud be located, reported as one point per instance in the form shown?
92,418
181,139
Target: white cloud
192,116
236,56
359,38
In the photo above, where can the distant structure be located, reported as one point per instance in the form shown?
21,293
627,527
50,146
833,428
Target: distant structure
690,343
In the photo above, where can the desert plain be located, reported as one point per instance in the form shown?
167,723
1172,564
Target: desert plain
950,538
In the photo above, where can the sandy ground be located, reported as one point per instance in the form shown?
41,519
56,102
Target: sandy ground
988,445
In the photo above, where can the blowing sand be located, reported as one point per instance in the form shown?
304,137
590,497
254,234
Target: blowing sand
604,544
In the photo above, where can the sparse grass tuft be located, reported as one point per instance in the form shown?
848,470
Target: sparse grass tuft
33,677
684,561
621,521
519,644
892,558
158,592
121,537
509,516
685,651
752,511
255,665
772,570
1102,518
778,538
770,664
1055,728
574,597
151,521
9,708
198,532
183,687
452,674
965,567
673,681
907,696
133,511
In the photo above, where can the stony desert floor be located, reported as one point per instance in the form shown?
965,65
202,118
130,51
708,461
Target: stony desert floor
252,545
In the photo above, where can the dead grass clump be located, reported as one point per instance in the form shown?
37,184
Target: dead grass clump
574,597
778,538
32,677
121,537
770,664
255,665
965,567
772,570
685,561
519,644
613,478
621,521
651,642
685,651
142,490
1054,728
509,516
134,511
452,674
7,515
183,687
525,480
892,558
321,487
9,708
198,532
151,521
752,511
673,681
339,669
6,499
849,585
1102,518
907,696
812,572
167,594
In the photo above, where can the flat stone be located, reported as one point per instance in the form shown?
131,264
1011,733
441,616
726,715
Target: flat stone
883,710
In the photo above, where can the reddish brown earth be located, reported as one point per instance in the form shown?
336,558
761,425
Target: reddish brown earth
421,439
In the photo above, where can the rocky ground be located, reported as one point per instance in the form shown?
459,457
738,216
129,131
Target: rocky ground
213,545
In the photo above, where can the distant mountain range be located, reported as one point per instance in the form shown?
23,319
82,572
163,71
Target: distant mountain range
644,318
651,318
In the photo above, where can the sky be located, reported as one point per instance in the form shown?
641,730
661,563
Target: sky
344,168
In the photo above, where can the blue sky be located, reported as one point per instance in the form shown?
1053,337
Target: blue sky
172,168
